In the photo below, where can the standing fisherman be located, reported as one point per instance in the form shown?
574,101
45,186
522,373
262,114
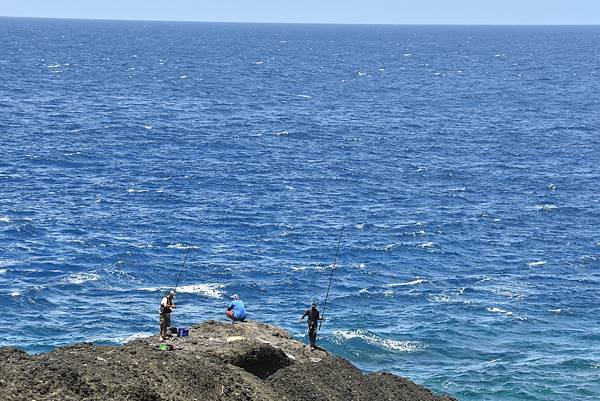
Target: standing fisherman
313,319
166,306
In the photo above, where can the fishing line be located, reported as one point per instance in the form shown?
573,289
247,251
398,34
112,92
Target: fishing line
332,269
185,259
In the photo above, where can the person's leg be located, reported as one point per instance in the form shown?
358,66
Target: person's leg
312,335
163,327
230,315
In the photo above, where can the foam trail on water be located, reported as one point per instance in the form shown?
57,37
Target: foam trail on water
418,280
392,345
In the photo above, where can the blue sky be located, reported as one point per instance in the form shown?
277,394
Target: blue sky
318,11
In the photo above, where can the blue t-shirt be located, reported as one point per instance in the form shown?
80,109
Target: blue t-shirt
239,310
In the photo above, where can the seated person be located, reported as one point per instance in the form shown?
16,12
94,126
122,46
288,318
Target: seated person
236,310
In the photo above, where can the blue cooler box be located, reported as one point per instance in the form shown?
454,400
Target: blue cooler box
183,332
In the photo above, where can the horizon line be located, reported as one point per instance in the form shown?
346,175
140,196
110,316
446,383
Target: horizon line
305,23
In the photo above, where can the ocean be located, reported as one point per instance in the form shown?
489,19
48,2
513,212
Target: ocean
459,164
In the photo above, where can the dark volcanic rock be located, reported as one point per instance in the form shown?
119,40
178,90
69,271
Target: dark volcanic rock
218,361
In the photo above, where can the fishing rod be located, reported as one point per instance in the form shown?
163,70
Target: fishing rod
185,259
332,269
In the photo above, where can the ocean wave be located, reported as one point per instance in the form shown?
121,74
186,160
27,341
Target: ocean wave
121,340
15,294
3,271
416,281
80,278
133,190
425,245
499,310
546,207
536,263
210,290
181,246
4,219
391,345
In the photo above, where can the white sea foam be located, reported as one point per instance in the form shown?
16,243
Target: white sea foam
281,133
360,266
258,62
536,263
15,294
210,290
3,271
183,77
80,278
390,247
360,73
392,345
121,340
388,293
546,207
133,190
557,311
426,245
418,280
499,310
363,291
457,189
305,96
148,126
361,226
181,246
4,219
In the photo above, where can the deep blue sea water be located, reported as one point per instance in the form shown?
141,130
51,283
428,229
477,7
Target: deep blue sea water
464,159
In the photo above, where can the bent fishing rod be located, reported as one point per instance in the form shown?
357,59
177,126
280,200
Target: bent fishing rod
332,269
185,259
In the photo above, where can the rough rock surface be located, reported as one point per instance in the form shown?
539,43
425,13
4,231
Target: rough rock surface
218,361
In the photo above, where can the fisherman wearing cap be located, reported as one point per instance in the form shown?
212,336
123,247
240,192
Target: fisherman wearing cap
166,306
313,319
236,310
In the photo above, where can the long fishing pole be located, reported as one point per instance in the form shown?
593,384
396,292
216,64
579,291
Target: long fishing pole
332,269
185,259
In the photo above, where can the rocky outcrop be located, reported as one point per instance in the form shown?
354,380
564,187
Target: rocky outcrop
217,361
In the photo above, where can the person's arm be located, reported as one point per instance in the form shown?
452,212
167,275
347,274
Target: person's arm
230,307
303,316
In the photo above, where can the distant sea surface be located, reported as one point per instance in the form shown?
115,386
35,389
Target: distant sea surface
465,161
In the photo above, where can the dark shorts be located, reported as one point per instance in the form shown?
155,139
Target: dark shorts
165,320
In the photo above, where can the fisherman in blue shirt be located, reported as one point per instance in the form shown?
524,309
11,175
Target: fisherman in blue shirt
236,310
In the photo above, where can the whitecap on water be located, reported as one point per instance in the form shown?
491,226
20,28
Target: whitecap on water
4,219
210,290
305,96
499,310
281,133
418,280
557,311
3,271
363,291
80,278
425,245
536,263
15,294
133,190
389,344
546,207
388,293
181,246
